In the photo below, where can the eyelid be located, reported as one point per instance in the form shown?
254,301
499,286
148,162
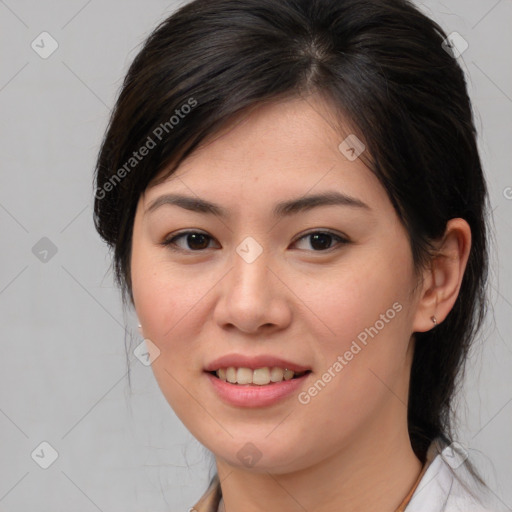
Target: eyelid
341,238
326,231
170,244
169,240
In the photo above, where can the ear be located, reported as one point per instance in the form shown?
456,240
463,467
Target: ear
442,281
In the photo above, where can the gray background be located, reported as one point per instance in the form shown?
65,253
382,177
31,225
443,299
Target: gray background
63,368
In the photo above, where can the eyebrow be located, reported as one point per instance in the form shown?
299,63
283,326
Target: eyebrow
282,209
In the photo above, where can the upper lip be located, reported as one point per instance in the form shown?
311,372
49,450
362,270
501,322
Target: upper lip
253,362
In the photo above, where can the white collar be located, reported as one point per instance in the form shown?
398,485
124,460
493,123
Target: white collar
448,485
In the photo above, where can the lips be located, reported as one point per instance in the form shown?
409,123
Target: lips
254,396
254,362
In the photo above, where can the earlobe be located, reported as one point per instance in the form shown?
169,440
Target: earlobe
442,281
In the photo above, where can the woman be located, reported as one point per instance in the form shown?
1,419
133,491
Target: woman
295,200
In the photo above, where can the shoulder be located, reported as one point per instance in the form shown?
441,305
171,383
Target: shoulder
449,486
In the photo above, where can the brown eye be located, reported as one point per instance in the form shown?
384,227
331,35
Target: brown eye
194,241
321,240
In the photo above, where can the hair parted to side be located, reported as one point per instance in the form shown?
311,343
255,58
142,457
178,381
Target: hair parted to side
380,64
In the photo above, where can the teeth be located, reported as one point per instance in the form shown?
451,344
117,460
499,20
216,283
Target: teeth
259,377
244,376
230,375
276,374
288,374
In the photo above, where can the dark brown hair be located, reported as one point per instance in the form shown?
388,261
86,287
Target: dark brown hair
382,65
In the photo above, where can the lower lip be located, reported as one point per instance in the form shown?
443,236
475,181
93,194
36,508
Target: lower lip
252,395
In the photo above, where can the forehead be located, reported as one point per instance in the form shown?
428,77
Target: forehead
282,149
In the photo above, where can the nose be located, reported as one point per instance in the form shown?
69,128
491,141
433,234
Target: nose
253,297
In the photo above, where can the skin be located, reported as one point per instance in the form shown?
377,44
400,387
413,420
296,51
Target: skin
349,445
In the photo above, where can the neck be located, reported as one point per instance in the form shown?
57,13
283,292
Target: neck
371,472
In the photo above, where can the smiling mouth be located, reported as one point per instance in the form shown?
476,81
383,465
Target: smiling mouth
258,377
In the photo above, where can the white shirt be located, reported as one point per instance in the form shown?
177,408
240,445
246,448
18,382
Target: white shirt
448,486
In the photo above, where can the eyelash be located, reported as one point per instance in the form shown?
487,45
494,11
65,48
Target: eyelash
171,242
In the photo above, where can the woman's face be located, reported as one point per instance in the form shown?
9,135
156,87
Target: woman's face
326,286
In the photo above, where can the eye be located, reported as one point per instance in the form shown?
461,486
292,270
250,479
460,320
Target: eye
195,240
321,240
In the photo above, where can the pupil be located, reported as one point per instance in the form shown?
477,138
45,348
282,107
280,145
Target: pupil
194,237
322,239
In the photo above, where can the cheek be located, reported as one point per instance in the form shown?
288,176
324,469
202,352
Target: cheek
364,332
166,305
164,296
367,289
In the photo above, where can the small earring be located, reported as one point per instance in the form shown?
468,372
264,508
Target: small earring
434,319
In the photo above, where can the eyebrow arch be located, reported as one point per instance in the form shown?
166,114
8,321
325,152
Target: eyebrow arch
282,209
